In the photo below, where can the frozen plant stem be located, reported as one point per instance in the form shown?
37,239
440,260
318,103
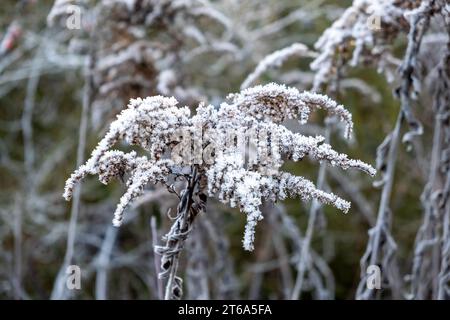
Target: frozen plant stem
27,116
28,152
58,289
282,253
176,238
156,259
381,232
306,243
444,275
103,262
440,181
427,235
442,101
18,250
387,187
379,235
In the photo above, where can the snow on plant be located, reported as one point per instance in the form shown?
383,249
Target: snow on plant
154,123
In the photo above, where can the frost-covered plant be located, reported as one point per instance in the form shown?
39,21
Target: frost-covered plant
152,123
156,124
133,48
137,46
276,59
365,34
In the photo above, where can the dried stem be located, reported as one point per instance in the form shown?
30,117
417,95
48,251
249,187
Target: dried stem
187,210
103,263
156,258
306,243
380,238
58,289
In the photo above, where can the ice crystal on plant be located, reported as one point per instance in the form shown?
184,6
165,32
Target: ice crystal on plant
276,59
278,103
156,123
354,39
126,62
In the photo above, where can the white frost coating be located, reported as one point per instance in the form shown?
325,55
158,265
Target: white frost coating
359,36
155,124
276,59
208,11
277,103
130,64
235,185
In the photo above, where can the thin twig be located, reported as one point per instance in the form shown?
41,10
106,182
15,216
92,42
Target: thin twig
156,258
58,289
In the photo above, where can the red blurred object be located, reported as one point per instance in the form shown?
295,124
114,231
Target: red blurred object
10,38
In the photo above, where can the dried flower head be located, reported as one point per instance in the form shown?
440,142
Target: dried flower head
134,52
225,135
365,33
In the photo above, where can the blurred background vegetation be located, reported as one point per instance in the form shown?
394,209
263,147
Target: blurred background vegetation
34,217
